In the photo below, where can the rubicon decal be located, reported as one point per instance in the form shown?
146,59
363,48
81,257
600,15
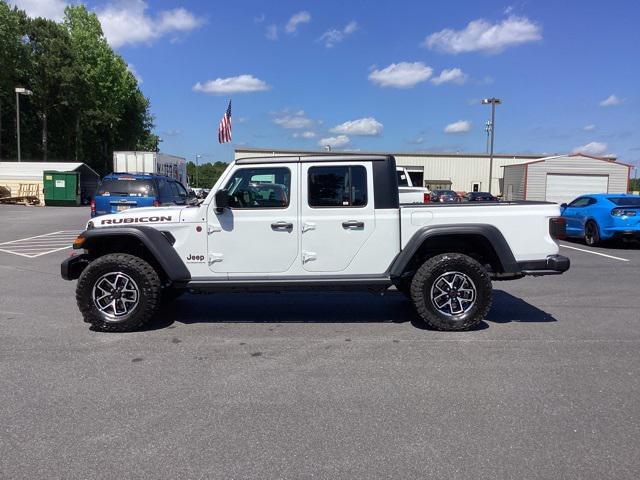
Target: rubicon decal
115,221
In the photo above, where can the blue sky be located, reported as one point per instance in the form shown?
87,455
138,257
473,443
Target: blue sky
393,76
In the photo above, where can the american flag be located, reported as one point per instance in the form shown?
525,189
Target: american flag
224,130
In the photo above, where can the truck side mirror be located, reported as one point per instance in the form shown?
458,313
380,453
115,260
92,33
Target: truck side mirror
222,200
563,206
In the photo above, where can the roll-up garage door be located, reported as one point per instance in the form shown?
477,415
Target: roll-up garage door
564,188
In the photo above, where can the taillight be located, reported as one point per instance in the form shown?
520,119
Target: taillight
622,212
156,203
93,207
558,228
426,198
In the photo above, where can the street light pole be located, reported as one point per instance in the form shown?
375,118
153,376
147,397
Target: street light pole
20,91
493,101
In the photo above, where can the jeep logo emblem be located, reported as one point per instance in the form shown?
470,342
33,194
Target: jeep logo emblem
195,258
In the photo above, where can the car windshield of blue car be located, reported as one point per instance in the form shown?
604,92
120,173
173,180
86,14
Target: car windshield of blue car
626,201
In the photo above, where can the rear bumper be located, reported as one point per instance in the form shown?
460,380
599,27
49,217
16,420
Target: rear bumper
72,267
622,232
552,265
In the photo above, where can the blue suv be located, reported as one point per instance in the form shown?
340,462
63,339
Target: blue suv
121,191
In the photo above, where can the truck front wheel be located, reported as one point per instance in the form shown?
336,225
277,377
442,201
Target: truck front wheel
451,292
118,293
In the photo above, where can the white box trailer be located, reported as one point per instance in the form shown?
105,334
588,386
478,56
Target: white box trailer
151,162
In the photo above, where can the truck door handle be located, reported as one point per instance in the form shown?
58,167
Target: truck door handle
352,225
282,226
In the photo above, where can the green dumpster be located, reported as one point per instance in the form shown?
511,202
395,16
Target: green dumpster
61,188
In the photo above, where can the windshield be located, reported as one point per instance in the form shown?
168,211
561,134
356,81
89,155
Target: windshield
402,179
626,201
127,187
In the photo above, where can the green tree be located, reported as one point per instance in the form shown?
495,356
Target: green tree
52,81
208,173
85,102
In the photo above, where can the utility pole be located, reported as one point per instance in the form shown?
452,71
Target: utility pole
20,91
493,102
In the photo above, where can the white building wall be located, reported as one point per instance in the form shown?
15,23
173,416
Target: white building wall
514,182
578,165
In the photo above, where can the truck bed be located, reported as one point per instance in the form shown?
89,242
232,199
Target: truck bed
522,223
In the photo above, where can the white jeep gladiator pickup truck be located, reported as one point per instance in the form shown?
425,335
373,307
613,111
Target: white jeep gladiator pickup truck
330,222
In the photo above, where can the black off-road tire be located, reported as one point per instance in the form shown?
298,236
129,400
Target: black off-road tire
591,234
428,274
143,274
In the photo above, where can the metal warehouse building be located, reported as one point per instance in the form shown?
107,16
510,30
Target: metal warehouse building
564,177
466,172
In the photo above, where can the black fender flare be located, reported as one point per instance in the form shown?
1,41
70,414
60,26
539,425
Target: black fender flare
158,243
489,232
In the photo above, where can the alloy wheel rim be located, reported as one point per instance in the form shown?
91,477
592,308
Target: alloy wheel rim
453,294
116,295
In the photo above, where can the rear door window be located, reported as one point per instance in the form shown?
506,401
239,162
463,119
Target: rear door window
338,186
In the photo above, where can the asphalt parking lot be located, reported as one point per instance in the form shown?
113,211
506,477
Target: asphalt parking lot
318,386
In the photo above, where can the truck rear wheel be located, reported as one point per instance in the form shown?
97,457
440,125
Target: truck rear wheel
118,293
451,292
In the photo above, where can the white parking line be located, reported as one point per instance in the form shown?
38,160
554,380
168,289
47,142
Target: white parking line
32,247
595,253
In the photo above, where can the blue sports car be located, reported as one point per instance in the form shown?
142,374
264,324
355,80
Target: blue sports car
602,216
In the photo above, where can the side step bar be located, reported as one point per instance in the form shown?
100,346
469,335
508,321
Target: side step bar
377,284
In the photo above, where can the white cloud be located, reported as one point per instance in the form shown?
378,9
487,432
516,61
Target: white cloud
271,32
363,126
260,18
132,68
452,75
592,148
293,120
589,128
334,142
461,126
51,9
297,19
401,75
127,22
240,84
610,101
351,27
481,35
333,36
306,135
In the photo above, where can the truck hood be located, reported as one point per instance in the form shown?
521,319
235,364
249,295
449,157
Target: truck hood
140,216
